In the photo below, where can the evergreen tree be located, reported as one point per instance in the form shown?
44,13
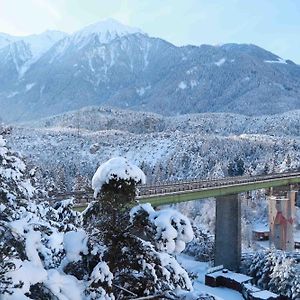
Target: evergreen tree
276,271
236,168
288,162
29,232
61,180
135,248
81,186
266,169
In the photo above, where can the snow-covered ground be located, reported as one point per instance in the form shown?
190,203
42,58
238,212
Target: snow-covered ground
199,269
167,222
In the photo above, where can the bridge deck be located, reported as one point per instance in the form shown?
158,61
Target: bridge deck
189,191
176,192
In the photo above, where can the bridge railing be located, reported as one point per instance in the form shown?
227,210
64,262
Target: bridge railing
180,186
192,185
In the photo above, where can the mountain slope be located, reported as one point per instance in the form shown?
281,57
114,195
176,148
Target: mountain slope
167,148
111,64
6,39
100,118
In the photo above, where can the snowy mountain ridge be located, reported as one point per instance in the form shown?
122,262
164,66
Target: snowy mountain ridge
94,119
23,51
110,64
106,30
38,43
6,39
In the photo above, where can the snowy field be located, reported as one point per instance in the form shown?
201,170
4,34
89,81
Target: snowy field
199,269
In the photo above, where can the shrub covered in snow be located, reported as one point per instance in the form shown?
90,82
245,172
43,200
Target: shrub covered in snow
32,247
169,229
202,246
276,271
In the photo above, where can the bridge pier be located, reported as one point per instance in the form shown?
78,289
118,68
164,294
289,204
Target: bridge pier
228,232
281,219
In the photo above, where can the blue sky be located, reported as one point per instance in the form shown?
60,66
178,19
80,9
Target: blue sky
271,24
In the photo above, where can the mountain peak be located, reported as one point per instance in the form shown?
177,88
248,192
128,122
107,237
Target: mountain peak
40,43
6,39
48,34
107,30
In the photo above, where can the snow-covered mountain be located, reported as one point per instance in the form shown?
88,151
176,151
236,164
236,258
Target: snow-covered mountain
112,64
36,43
104,31
18,54
40,43
6,39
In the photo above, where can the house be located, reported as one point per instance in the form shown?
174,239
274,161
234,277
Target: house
260,232
297,241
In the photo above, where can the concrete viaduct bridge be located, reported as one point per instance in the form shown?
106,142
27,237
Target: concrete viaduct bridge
228,207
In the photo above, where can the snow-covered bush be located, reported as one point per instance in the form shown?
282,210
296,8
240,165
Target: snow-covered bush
169,229
276,271
32,244
202,246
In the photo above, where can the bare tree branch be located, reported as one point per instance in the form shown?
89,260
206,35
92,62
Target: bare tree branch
125,290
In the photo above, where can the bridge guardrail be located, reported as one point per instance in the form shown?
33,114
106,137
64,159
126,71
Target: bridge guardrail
146,189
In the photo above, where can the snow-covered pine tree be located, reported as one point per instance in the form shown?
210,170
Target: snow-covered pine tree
14,176
61,180
135,244
262,267
81,187
276,271
236,168
31,234
47,254
282,275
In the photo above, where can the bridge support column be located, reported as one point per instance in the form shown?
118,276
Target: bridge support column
228,232
281,218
